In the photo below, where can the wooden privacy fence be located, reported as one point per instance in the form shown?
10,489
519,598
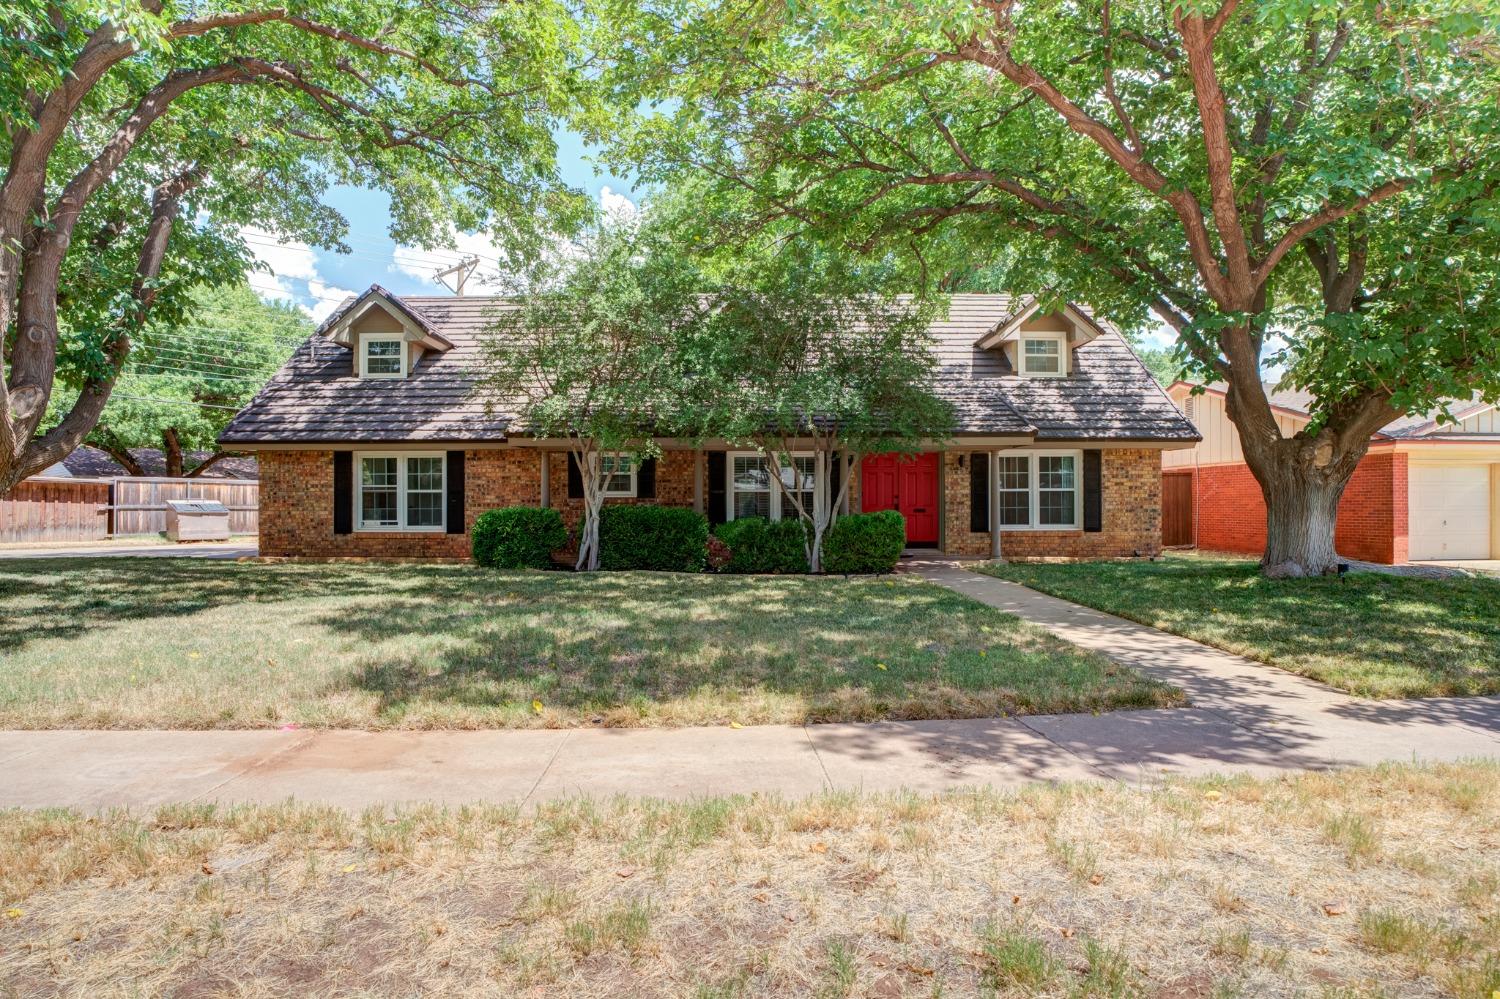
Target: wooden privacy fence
60,509
140,504
56,510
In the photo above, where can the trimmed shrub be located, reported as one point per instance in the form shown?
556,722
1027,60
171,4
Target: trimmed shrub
760,545
517,537
664,538
864,542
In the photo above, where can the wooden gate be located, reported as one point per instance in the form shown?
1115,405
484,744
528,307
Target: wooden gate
1176,509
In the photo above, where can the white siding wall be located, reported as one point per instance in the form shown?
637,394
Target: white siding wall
1221,442
1487,422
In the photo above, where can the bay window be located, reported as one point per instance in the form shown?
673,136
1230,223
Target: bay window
1040,490
400,492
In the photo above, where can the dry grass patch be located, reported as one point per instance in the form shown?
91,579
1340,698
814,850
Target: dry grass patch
973,893
180,643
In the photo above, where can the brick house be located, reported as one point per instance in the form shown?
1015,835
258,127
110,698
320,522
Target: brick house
1429,488
371,442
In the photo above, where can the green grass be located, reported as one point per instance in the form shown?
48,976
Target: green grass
1375,635
199,644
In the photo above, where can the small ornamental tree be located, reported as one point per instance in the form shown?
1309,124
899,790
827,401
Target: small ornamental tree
590,352
815,358
1310,184
137,137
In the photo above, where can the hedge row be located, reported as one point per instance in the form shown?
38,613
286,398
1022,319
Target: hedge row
673,539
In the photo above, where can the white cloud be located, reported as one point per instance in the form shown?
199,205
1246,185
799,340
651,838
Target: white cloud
617,207
326,298
294,276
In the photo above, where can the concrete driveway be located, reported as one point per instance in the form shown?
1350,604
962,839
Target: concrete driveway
191,549
1487,566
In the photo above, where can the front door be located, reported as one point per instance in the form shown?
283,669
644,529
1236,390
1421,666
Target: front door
905,483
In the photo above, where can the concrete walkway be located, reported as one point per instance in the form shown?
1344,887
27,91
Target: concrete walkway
1244,717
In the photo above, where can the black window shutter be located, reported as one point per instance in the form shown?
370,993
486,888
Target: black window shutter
455,486
979,492
1093,491
718,495
645,479
835,476
575,478
343,492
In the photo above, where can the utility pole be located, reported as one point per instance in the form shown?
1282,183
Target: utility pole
459,272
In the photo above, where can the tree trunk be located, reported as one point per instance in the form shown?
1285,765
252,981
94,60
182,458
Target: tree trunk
591,471
172,452
1301,514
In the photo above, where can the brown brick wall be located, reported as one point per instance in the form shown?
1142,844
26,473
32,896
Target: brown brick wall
296,506
1130,483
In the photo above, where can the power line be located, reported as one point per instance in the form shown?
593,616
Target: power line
175,402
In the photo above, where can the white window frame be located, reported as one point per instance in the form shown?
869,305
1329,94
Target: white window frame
1057,336
776,512
364,354
1033,483
635,467
401,526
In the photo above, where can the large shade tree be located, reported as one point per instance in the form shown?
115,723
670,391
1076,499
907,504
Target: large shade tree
1302,184
138,136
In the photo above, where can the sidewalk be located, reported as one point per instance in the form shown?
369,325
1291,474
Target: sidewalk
105,549
1245,717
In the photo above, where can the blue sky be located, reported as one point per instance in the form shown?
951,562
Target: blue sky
317,280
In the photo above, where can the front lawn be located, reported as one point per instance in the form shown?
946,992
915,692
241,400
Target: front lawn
1372,634
201,644
1363,883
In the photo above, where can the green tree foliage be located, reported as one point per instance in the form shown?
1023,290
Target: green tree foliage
1305,183
182,384
593,352
140,135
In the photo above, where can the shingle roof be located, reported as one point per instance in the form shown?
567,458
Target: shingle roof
89,462
316,398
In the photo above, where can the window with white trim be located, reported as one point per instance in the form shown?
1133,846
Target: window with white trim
619,474
401,492
1040,490
1044,355
753,493
382,356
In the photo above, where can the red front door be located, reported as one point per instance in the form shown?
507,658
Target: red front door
905,483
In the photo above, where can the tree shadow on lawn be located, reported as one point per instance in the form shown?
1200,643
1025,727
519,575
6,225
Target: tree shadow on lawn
1376,635
58,598
635,648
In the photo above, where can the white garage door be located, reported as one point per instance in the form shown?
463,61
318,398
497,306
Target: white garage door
1450,511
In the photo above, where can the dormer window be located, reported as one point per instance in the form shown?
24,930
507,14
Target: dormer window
1044,355
382,356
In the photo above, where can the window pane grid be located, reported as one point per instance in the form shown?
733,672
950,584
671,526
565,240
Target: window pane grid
383,357
401,492
1037,491
1043,356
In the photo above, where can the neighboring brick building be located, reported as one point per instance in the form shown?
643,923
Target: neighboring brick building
371,443
1429,488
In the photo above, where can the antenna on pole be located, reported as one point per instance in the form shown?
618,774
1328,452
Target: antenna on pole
460,273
